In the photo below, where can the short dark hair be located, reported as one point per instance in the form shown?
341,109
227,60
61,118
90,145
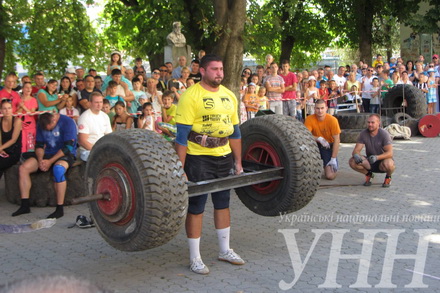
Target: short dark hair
208,59
98,77
285,61
168,93
196,61
138,59
112,84
105,101
45,119
116,71
91,69
85,77
135,79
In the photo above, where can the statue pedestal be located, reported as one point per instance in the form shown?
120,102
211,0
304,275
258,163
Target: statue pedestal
172,54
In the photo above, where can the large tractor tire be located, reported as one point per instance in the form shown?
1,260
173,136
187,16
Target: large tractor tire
352,120
280,141
350,135
400,117
416,101
148,194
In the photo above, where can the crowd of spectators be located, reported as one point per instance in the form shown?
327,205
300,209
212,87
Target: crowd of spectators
294,93
131,99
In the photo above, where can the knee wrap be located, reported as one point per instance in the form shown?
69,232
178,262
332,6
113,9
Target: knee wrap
58,173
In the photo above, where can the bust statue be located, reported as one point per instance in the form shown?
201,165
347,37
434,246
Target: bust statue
176,38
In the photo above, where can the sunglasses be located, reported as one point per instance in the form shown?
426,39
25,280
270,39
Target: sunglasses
370,70
164,70
431,66
247,72
140,72
155,72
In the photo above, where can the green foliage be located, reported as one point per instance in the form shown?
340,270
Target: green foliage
58,31
303,20
140,27
425,23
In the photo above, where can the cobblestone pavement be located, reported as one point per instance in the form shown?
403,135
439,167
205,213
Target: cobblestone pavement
267,244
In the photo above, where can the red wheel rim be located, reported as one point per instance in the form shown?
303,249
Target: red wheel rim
429,126
115,181
263,153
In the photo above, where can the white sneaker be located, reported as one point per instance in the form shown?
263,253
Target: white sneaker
231,257
197,266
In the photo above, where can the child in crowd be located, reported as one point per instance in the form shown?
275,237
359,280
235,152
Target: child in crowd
138,68
334,94
70,110
121,120
323,90
262,99
311,94
112,97
250,100
28,104
140,97
115,63
147,120
189,82
431,96
353,97
255,79
375,96
168,124
106,108
422,84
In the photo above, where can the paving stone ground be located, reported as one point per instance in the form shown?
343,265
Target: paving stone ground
261,241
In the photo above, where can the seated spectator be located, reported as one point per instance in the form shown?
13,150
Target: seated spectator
92,125
190,82
195,72
10,135
84,95
107,109
112,95
98,82
70,110
168,124
404,78
140,97
123,88
154,96
28,105
147,119
55,149
66,89
121,120
48,99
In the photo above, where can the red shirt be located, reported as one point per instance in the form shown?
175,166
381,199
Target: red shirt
13,96
35,90
289,79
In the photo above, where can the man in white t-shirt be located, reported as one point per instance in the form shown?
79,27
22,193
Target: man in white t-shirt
339,78
92,125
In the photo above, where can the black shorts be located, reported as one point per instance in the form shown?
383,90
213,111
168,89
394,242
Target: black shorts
326,154
375,167
199,168
70,159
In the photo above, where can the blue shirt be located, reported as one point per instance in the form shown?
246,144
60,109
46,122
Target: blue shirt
54,140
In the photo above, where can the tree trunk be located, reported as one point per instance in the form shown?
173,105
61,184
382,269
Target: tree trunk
365,11
156,60
230,15
2,38
287,41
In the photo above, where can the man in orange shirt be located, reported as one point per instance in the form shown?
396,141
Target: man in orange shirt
325,129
